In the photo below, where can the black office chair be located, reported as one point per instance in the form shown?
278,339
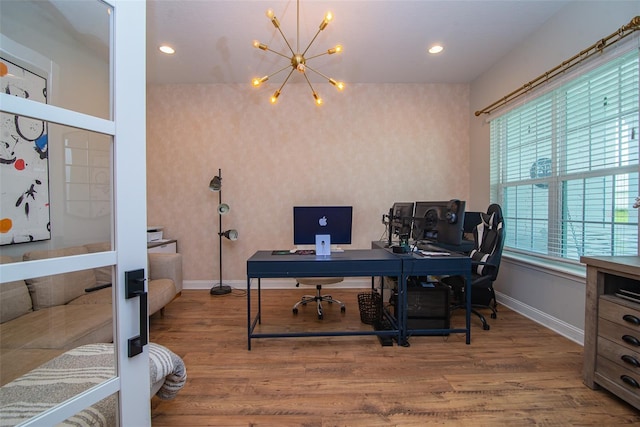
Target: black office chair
488,239
318,298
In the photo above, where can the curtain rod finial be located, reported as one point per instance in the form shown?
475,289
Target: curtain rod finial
634,24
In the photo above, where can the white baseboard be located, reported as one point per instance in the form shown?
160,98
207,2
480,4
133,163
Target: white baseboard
563,328
348,283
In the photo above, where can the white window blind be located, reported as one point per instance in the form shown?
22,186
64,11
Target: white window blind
564,166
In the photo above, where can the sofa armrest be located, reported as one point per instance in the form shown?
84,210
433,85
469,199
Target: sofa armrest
166,266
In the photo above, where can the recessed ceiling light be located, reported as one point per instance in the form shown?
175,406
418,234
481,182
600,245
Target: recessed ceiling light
436,49
167,49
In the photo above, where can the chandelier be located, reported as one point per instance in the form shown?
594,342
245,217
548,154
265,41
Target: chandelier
298,61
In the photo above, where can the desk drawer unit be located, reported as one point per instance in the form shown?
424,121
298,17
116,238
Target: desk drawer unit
618,348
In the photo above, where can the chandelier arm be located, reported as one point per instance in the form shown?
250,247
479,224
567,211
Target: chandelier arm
315,56
308,82
286,80
286,41
277,53
317,72
281,70
311,42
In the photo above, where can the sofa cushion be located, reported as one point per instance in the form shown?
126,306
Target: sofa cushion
59,327
58,289
103,274
101,296
161,292
14,297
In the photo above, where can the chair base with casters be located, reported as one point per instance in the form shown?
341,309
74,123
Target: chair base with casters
486,299
481,297
318,298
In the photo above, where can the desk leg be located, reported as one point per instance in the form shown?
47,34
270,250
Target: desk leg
402,311
259,302
467,280
248,313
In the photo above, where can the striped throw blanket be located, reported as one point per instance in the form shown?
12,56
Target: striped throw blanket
76,371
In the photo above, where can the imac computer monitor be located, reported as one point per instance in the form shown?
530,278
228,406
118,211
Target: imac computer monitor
441,221
401,218
309,221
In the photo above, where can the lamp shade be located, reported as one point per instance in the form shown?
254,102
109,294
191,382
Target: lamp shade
223,208
215,184
230,234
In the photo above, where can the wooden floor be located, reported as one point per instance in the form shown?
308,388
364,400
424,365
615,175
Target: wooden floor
518,373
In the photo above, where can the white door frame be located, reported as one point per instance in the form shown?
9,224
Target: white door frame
130,161
128,129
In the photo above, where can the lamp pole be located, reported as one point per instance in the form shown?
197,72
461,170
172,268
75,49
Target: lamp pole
220,289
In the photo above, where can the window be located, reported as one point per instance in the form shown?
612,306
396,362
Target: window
564,166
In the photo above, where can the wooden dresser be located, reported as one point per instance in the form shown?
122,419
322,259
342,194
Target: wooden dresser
612,326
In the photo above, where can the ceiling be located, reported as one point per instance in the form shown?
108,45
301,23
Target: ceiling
384,41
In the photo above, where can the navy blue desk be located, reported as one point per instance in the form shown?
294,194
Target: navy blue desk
350,263
413,264
455,264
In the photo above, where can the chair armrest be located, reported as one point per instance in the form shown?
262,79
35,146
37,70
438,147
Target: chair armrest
488,266
477,263
166,266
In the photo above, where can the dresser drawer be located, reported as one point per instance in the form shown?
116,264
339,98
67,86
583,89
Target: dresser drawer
620,312
626,337
623,356
618,380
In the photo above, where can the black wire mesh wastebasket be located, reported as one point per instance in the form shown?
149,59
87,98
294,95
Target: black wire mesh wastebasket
370,305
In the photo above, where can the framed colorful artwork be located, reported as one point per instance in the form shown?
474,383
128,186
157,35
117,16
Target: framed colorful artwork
24,161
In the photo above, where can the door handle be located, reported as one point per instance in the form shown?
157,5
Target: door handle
134,287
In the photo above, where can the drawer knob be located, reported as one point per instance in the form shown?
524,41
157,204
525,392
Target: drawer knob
630,360
629,318
629,381
630,339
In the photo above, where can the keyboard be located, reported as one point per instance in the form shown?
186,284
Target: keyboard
424,246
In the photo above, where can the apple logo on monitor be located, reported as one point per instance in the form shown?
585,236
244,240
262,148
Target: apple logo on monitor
323,221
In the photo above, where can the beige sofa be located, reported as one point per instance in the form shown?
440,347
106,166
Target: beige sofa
43,317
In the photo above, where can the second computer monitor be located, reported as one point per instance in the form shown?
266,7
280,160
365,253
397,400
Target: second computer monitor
441,221
401,218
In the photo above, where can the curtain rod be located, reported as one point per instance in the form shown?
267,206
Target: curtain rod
597,47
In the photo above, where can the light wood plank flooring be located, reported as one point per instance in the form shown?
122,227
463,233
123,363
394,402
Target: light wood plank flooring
518,373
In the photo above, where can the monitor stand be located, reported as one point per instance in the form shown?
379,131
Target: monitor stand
323,244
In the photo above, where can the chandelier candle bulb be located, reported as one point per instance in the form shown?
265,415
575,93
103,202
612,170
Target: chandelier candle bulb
338,85
326,20
257,82
273,18
259,45
275,96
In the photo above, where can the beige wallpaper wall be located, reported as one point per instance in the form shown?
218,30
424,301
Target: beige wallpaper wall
367,147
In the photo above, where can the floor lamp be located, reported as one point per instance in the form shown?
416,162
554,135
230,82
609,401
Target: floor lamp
216,186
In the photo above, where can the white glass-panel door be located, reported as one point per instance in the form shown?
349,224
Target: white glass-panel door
72,128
